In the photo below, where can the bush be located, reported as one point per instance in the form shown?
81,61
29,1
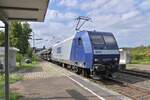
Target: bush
13,78
34,58
137,57
140,55
29,53
19,58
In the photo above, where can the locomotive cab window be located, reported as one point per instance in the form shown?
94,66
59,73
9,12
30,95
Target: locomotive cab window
110,42
59,50
97,39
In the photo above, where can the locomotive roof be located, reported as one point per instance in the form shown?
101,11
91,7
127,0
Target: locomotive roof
64,40
90,32
99,32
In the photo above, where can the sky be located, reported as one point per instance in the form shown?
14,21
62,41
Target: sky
128,20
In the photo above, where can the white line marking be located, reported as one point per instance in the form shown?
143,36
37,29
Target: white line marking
101,98
81,85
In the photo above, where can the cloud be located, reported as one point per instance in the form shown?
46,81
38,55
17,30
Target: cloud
57,26
68,3
93,4
57,16
108,6
145,5
130,14
129,20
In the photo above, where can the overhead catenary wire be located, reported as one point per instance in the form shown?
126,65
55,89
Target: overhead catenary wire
79,20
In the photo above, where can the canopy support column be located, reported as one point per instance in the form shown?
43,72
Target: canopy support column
5,21
6,63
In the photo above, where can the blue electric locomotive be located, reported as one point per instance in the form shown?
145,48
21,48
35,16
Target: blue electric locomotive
89,52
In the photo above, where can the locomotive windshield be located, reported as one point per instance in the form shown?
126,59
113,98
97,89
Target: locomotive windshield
110,42
100,41
97,39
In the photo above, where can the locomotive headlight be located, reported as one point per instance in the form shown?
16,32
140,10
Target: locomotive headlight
96,67
116,59
95,59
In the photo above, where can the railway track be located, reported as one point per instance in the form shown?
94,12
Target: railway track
137,73
123,87
130,90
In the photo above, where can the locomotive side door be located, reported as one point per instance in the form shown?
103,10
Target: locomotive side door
79,50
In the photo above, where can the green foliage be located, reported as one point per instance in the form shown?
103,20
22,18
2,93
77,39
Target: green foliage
27,67
14,96
13,78
34,58
19,36
1,87
140,55
19,58
29,53
2,38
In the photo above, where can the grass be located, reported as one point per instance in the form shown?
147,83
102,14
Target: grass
140,55
1,86
13,78
26,66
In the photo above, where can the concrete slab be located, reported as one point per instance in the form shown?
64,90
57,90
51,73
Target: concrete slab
54,88
140,67
61,84
97,90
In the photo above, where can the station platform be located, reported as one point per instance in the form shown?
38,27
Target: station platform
56,83
140,67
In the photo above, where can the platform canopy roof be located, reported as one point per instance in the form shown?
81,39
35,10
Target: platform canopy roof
30,10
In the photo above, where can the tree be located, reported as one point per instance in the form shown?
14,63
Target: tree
19,36
26,30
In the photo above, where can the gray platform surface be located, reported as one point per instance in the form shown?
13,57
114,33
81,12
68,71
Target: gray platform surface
56,83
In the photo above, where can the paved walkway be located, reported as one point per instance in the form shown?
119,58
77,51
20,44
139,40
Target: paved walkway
141,67
49,84
54,83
